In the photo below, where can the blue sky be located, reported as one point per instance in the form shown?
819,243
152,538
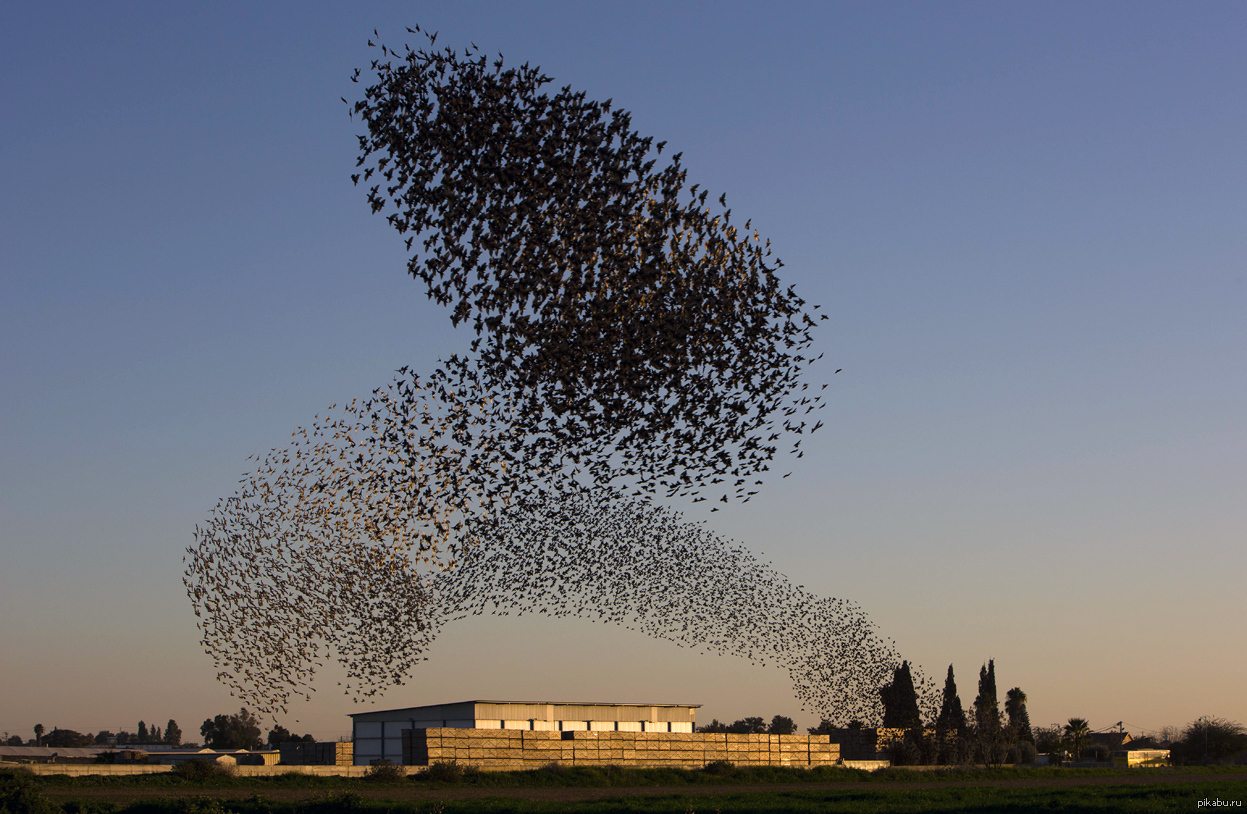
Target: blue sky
1028,224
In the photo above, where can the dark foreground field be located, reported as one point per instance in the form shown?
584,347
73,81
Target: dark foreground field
1006,790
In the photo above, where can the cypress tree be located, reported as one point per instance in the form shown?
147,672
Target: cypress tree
986,707
900,700
989,735
952,718
142,733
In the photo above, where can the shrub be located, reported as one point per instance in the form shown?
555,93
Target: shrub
383,771
720,768
1027,752
1097,752
1210,740
1048,738
914,749
904,752
197,771
20,795
445,771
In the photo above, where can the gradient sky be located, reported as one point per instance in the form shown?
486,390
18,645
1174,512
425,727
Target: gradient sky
1028,224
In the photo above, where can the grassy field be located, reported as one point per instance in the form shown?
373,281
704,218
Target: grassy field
614,776
599,790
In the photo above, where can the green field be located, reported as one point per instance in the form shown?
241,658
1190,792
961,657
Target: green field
598,790
616,776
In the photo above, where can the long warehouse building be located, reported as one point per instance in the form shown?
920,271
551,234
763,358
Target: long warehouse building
378,735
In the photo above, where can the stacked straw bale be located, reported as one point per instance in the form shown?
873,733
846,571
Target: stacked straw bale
514,749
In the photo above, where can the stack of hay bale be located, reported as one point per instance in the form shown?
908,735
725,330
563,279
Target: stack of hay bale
544,748
512,749
781,750
496,749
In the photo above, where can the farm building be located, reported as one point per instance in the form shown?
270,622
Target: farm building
510,735
298,753
378,735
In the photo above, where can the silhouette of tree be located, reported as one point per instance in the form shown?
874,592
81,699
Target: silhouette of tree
1019,719
241,731
986,705
952,718
715,725
39,734
782,725
825,727
173,733
748,726
278,735
900,700
1049,739
1210,740
1077,735
143,734
67,739
950,726
989,736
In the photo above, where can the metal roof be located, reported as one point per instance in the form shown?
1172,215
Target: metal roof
531,703
49,751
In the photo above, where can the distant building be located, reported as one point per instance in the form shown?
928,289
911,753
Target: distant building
378,735
48,754
1140,758
298,753
234,757
1113,741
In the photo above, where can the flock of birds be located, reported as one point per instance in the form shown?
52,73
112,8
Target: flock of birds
627,347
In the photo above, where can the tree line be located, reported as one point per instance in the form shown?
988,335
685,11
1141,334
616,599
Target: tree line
992,735
230,731
171,735
243,730
780,725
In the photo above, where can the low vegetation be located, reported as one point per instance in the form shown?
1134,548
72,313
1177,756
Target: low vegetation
385,772
564,776
977,800
199,771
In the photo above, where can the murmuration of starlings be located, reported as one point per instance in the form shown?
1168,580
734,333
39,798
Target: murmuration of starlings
629,344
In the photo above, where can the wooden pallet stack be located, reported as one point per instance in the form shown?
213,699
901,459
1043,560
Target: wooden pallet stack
544,748
513,749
